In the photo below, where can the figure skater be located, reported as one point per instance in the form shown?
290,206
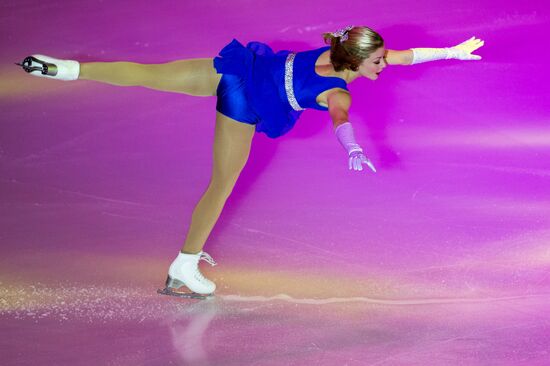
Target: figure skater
257,90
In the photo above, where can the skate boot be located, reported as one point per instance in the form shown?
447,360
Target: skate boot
184,271
49,67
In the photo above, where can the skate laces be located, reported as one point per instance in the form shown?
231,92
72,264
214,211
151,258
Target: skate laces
207,258
198,274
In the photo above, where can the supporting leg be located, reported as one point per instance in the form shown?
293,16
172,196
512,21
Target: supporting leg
231,149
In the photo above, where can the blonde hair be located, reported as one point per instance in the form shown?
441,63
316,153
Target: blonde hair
349,53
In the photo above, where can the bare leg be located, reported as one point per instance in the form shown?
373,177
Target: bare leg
232,143
232,138
194,77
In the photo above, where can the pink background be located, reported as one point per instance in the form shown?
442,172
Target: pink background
441,257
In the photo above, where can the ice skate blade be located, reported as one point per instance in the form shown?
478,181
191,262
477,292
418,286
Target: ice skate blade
189,295
45,68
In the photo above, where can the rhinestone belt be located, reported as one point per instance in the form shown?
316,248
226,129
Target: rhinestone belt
289,87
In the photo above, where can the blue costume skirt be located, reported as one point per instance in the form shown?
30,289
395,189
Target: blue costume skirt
252,88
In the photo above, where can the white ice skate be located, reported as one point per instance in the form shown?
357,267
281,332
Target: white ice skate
184,271
49,67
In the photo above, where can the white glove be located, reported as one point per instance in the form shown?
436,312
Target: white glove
344,133
461,51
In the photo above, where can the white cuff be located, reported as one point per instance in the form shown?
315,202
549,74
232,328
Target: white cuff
429,54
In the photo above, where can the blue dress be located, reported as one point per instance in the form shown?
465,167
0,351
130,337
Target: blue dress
253,90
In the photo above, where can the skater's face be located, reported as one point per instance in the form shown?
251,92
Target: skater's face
373,66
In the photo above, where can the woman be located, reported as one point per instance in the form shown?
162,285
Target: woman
257,90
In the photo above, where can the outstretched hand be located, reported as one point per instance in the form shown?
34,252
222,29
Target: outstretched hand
357,159
464,50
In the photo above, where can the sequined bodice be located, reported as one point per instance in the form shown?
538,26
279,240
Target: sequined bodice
303,84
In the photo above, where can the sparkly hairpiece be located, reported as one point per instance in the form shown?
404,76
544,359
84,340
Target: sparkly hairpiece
342,33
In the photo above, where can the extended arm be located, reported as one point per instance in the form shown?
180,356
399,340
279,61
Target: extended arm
338,105
462,51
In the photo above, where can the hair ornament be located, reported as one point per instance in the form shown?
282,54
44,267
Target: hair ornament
342,33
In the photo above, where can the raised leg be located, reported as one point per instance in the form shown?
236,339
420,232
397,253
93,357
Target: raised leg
194,76
232,143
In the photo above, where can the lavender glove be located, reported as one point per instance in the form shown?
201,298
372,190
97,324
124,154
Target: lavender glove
344,133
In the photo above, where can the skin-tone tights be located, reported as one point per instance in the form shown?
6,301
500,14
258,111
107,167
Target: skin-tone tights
232,139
